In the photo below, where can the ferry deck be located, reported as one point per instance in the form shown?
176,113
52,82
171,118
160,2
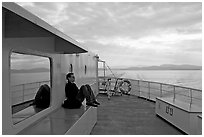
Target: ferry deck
151,108
130,115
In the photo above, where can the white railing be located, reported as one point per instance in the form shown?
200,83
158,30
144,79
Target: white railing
25,92
151,90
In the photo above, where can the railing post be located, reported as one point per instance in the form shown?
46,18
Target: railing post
149,89
139,87
104,71
23,92
160,89
191,98
174,94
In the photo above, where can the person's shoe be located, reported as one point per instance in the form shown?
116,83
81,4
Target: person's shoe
96,102
91,104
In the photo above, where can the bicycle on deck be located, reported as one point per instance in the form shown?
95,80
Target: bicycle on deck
119,87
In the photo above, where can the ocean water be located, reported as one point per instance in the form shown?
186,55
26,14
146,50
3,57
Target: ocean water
23,78
186,78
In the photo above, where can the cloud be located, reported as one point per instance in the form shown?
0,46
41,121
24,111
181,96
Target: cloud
24,61
53,13
163,41
150,33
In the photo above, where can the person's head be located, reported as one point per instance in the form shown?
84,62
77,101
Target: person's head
70,77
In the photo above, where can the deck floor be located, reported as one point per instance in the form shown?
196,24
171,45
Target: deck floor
130,115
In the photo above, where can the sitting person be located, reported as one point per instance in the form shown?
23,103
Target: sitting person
75,97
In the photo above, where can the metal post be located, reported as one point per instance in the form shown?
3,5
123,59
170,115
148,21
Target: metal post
160,90
104,71
104,67
191,97
139,87
97,79
149,89
174,94
23,92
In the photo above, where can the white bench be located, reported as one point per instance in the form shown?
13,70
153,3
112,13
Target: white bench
179,113
64,121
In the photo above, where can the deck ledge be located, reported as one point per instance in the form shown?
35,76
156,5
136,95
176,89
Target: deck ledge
65,121
180,105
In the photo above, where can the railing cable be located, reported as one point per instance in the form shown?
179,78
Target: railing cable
110,70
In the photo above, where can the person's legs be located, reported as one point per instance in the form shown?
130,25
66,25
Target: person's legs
85,93
80,95
92,96
90,91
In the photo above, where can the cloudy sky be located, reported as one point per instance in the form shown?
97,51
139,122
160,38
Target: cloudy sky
130,34
22,61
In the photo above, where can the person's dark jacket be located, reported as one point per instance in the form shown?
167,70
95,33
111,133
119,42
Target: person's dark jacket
71,91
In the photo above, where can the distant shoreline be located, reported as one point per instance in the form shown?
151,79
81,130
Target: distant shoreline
163,67
150,68
20,72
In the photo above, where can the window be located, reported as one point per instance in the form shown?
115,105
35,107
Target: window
27,74
85,69
71,68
